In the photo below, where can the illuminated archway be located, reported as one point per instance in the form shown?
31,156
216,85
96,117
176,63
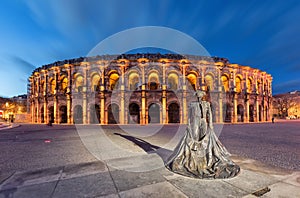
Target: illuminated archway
173,113
113,80
238,84
133,81
113,114
95,80
225,82
63,114
134,114
78,114
209,81
192,81
154,113
153,81
78,83
240,113
173,81
94,114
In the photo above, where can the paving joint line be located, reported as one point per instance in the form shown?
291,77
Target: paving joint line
58,180
115,185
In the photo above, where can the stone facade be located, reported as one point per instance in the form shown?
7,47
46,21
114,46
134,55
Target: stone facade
145,89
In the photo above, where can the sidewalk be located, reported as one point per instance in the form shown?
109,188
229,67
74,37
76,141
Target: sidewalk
8,126
99,179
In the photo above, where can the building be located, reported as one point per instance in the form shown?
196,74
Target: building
287,105
14,109
146,88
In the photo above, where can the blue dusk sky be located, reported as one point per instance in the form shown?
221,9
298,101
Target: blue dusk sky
261,34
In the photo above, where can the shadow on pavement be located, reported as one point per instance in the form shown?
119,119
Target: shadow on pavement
163,153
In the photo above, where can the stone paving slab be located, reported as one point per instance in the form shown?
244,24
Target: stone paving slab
282,189
205,188
32,191
163,189
250,181
79,170
86,186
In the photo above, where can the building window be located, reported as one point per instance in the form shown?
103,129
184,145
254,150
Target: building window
173,81
95,82
238,84
153,81
78,83
133,81
113,80
209,81
225,83
192,81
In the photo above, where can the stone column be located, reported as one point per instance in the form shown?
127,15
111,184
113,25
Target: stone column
184,101
220,116
144,119
164,96
84,96
69,99
102,98
122,94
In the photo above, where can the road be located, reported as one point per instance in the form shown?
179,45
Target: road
33,146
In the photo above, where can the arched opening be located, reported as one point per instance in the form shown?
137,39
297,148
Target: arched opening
213,111
209,81
133,81
52,86
134,114
251,113
173,81
266,114
113,80
51,114
240,113
259,113
42,115
63,114
95,86
78,114
154,113
173,113
192,81
153,81
238,84
249,85
94,114
78,83
64,84
113,114
225,83
227,112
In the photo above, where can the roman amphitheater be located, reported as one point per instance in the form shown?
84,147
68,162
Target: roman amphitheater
146,89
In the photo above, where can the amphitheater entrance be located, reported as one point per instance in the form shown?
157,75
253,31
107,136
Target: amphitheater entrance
259,113
51,114
113,114
63,114
94,114
134,114
173,113
42,115
78,114
154,113
240,113
227,112
251,113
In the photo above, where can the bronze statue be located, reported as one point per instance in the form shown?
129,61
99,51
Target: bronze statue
200,154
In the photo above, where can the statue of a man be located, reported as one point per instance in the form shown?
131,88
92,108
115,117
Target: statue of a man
200,154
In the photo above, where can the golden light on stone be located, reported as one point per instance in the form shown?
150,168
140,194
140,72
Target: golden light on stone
75,87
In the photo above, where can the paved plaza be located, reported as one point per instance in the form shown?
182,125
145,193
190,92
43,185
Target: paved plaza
128,161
